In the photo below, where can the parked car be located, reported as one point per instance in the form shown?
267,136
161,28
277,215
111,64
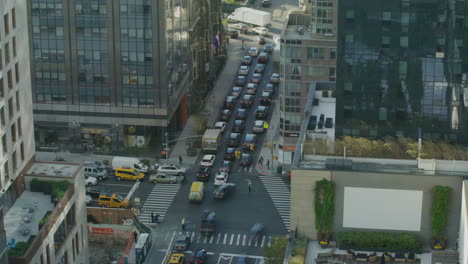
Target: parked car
226,166
230,102
199,257
233,140
275,78
246,60
251,88
220,178
241,114
162,177
245,159
90,180
225,115
232,33
229,154
236,91
247,101
259,126
223,190
262,31
268,88
265,98
182,242
253,51
328,123
256,78
262,112
240,80
203,173
172,169
239,126
261,40
207,160
259,68
221,126
263,57
250,139
244,70
240,26
266,3
268,48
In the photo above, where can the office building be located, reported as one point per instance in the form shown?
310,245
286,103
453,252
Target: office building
110,74
308,54
401,69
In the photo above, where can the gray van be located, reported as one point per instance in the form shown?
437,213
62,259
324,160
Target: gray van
94,169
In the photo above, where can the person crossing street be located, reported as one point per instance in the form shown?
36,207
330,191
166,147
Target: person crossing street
249,184
183,224
180,160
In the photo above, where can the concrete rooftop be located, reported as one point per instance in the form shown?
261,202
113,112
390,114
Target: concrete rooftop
54,169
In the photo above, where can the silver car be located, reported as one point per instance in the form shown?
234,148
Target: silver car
162,178
244,70
172,169
259,126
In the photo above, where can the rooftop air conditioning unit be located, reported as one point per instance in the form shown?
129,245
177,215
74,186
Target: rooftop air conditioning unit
328,34
300,30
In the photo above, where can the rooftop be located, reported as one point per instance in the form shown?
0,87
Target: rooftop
56,169
298,27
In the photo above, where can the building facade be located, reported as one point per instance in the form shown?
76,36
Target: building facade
110,73
402,70
307,54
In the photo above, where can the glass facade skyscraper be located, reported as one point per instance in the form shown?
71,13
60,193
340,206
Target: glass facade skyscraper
402,68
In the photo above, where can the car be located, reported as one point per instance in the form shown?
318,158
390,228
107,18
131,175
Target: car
177,258
236,91
229,154
256,78
329,123
240,81
220,178
244,70
261,40
312,123
172,169
242,27
245,159
239,126
262,31
247,101
268,48
251,88
226,166
253,51
94,192
265,98
230,102
225,115
250,140
233,140
263,57
221,126
203,173
268,88
246,60
232,33
275,78
199,257
88,199
90,180
255,233
208,160
262,112
223,190
266,3
182,242
259,68
259,126
162,177
241,114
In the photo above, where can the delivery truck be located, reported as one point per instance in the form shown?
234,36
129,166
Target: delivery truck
211,140
128,162
251,16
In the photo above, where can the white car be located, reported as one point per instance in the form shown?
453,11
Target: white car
242,27
208,161
220,125
172,169
236,91
88,199
259,126
262,31
220,178
251,88
90,180
253,51
244,70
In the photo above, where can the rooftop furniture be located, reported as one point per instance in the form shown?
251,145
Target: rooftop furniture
388,256
400,257
362,257
410,257
327,254
372,257
350,254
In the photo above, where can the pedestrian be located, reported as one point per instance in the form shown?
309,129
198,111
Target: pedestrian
135,235
183,224
260,161
180,160
249,183
152,217
268,164
156,218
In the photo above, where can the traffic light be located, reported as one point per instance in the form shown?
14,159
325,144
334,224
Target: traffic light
252,147
164,154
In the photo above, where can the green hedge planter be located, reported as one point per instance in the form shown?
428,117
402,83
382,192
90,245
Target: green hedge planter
324,209
379,241
440,205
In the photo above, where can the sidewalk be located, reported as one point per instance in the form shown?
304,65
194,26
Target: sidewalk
221,89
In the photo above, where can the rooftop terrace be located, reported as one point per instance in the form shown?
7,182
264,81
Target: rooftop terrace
54,169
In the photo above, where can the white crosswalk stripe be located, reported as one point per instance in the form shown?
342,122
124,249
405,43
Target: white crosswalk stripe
280,195
159,201
230,239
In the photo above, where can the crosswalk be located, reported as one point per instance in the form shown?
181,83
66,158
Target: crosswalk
158,201
281,196
245,169
230,239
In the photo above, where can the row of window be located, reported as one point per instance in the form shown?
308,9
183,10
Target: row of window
312,53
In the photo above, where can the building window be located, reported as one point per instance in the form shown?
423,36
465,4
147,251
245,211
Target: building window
404,42
77,244
18,106
332,74
22,151
13,133
48,254
13,17
71,219
20,127
17,73
315,53
2,88
333,54
59,236
4,146
2,116
6,24
10,79
7,53
10,108
1,59
15,161
14,46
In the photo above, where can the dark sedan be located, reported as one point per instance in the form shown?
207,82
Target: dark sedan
256,78
229,154
225,115
233,140
268,48
263,57
259,68
265,98
262,112
245,160
250,139
241,114
240,80
182,242
203,173
239,126
225,167
247,101
230,102
268,88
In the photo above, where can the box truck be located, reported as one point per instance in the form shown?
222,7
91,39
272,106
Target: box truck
251,16
211,140
128,162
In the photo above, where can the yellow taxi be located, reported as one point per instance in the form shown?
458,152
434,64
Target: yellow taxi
130,174
177,258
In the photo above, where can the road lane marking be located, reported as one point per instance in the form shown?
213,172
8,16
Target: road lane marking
244,240
238,239
263,241
269,241
224,240
232,238
205,239
168,248
256,243
211,239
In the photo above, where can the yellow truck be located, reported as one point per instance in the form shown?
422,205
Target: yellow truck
196,192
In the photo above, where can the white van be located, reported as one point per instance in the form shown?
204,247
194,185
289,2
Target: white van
94,169
128,162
